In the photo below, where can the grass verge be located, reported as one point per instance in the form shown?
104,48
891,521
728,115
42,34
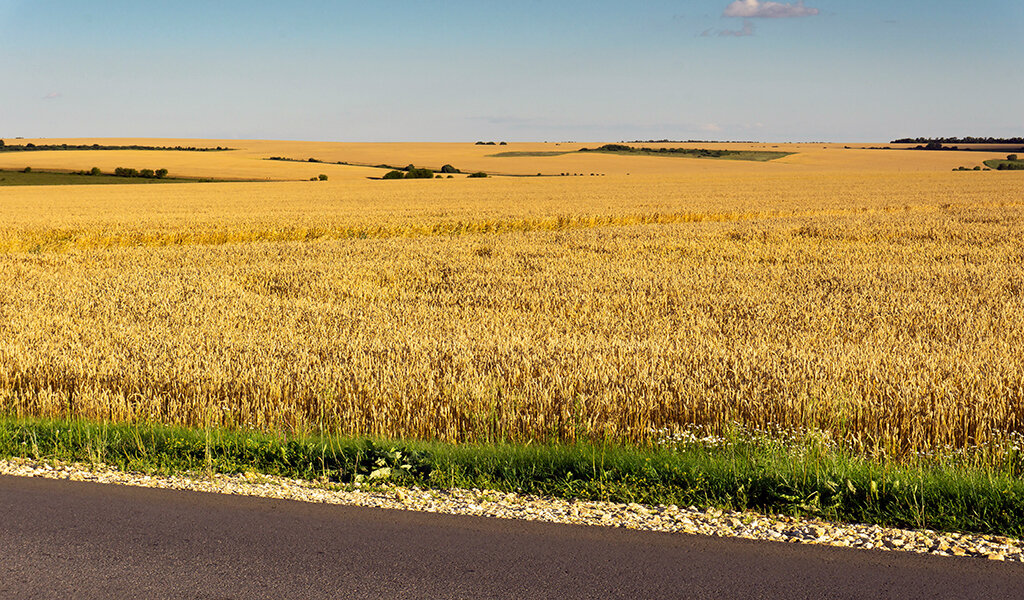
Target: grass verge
805,478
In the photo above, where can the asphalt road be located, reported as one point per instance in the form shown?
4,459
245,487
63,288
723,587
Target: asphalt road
63,539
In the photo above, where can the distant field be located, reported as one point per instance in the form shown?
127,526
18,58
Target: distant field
247,159
51,178
878,304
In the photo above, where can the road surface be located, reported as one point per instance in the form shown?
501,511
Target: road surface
61,539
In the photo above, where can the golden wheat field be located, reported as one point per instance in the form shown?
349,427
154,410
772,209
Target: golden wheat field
878,297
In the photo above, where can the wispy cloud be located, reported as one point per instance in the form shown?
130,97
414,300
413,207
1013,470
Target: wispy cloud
754,9
52,96
748,29
710,127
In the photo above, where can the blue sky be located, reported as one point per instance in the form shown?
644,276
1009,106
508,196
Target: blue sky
820,70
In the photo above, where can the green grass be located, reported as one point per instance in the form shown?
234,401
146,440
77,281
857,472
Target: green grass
1011,165
55,178
526,153
804,478
752,155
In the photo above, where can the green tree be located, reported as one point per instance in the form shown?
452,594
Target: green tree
95,171
322,177
1011,157
161,173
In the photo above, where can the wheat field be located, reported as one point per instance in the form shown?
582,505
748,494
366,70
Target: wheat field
880,303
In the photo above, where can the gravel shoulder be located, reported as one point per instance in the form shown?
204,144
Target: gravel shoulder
488,503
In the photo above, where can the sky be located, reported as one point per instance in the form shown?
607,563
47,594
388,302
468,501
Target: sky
462,70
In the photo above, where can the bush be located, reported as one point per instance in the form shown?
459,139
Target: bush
394,175
1011,157
27,170
449,169
96,171
322,177
415,173
147,173
160,173
478,174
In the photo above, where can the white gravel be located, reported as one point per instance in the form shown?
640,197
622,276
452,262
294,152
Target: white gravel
553,510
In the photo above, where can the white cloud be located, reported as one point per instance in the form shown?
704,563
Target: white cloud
52,96
711,127
749,9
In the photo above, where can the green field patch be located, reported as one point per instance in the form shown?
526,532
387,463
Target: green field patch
753,155
34,177
527,154
1005,165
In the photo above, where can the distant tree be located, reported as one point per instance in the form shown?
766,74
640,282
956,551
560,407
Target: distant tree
27,170
394,175
449,169
322,177
477,174
933,146
503,144
161,173
147,173
1,143
95,171
1008,156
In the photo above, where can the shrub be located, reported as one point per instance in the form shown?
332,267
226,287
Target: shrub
1,143
394,175
477,174
449,169
96,171
147,173
322,177
27,170
417,173
1008,156
160,173
503,144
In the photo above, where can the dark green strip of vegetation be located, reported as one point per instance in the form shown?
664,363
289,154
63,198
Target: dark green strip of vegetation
755,155
30,147
804,479
959,140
